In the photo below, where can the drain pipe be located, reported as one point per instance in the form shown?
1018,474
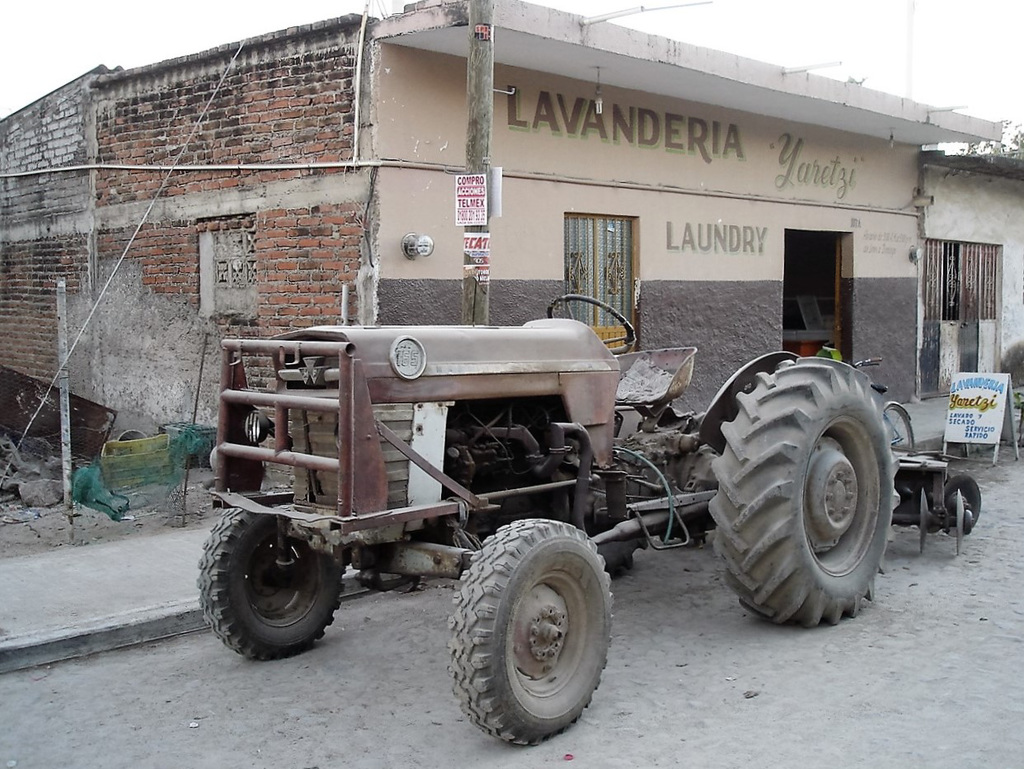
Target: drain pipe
359,83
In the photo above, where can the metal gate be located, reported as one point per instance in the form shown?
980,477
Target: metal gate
600,262
960,285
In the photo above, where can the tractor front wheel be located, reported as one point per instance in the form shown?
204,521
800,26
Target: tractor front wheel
530,630
260,599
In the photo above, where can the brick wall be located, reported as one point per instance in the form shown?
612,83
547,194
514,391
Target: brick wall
304,256
288,99
44,221
28,281
51,132
285,100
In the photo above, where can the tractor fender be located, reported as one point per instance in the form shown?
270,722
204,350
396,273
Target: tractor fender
723,406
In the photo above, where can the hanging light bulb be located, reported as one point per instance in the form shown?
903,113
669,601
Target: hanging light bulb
598,101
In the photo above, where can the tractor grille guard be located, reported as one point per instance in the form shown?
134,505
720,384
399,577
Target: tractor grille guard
362,491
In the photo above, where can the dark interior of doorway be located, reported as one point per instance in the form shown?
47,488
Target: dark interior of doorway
811,305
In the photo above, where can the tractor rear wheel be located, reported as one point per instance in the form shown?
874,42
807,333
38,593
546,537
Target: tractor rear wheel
263,602
530,630
805,493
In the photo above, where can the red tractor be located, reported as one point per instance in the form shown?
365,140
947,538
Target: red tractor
527,463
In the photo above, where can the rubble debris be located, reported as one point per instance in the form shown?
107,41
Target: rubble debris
33,468
41,493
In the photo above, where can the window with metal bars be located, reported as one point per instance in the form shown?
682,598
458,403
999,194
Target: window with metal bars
600,263
960,281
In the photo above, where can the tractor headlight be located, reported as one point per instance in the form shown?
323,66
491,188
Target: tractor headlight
257,427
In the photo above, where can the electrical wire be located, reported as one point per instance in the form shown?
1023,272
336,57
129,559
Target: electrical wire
117,265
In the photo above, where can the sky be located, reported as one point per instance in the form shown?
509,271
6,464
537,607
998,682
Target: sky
960,58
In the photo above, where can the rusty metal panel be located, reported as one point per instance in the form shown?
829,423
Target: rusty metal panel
988,283
960,290
20,396
968,343
344,375
931,281
969,269
951,281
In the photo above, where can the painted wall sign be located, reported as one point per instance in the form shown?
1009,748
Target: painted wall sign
710,238
580,118
560,115
798,169
887,243
470,200
979,410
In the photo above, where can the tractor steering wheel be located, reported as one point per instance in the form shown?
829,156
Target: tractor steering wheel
616,345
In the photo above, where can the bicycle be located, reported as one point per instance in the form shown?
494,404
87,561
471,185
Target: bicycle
897,420
898,423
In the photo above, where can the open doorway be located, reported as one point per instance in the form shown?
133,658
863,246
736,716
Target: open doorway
812,307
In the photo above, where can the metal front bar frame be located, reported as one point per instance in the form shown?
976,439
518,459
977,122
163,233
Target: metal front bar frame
362,495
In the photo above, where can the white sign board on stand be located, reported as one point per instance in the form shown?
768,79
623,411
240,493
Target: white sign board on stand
980,411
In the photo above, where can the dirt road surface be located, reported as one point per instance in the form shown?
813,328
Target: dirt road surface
931,675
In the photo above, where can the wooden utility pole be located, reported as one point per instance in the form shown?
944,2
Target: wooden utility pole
480,109
63,379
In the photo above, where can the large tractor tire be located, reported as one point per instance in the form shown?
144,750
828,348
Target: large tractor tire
530,630
258,601
805,493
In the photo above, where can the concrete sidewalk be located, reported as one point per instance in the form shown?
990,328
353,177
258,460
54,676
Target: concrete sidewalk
79,600
928,419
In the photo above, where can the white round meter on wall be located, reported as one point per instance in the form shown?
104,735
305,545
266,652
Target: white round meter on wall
414,245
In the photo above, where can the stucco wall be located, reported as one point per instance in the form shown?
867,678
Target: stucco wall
712,191
728,322
512,302
982,209
885,326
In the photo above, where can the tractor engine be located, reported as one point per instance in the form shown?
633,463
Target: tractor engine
495,444
675,448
